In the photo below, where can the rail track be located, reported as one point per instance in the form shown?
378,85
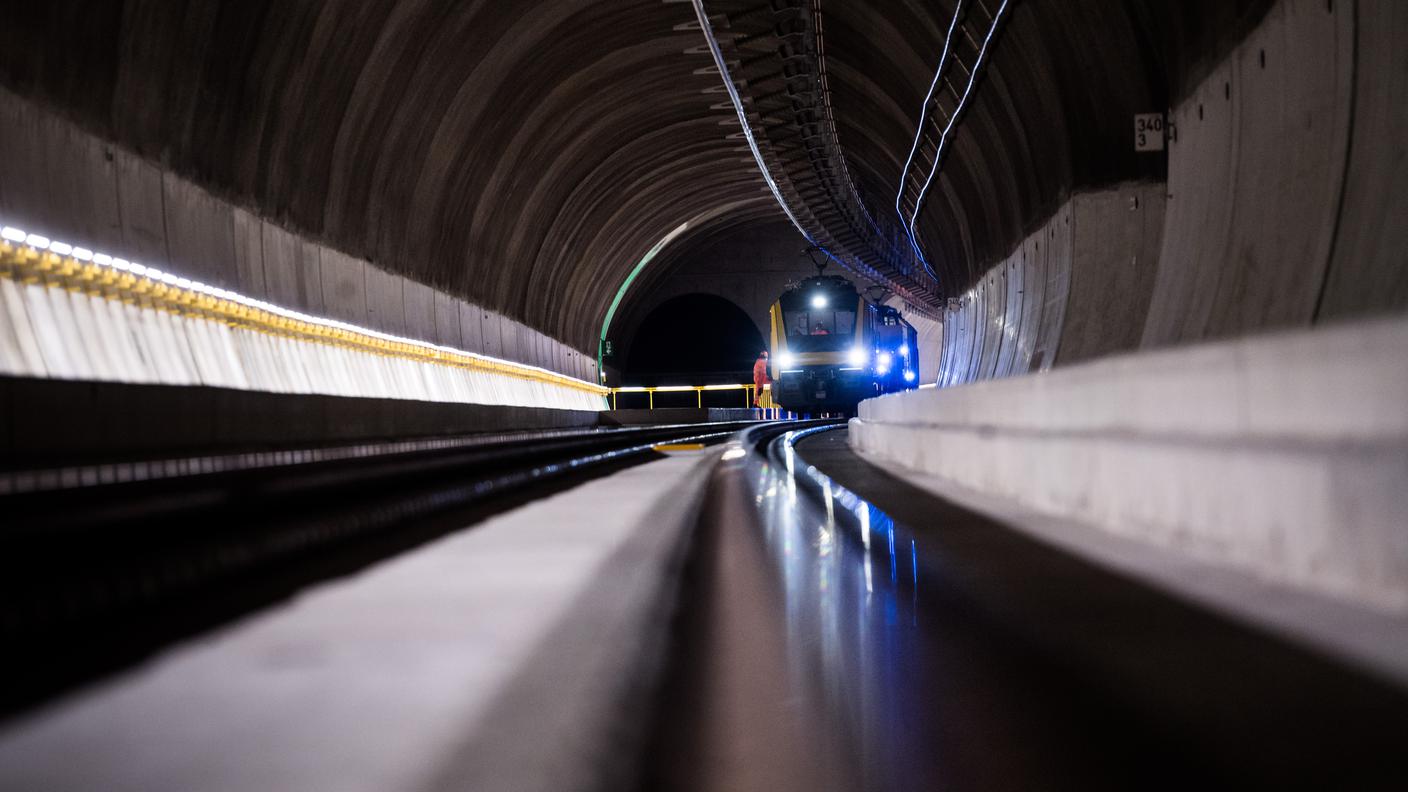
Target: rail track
96,577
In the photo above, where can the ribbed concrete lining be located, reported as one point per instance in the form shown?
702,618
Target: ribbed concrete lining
500,152
525,156
1284,456
60,181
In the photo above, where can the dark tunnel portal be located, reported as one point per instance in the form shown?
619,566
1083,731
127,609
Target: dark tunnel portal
693,339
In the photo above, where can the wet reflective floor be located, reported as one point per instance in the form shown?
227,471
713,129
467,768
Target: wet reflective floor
926,647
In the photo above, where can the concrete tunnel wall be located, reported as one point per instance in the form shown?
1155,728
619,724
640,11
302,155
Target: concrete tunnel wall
1284,207
520,156
500,151
67,183
444,148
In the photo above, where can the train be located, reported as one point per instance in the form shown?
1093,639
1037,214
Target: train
832,348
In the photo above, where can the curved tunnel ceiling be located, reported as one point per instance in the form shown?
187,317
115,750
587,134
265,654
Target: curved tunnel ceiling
527,155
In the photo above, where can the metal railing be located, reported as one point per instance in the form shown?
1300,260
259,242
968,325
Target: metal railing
650,392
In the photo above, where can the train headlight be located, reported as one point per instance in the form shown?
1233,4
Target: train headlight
904,351
857,357
818,300
909,376
884,359
785,360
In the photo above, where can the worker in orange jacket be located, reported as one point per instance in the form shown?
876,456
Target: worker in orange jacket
760,377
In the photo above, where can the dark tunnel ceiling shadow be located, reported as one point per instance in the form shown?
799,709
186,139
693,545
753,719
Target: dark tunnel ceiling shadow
692,339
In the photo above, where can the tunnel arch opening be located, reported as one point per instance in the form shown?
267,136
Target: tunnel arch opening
694,339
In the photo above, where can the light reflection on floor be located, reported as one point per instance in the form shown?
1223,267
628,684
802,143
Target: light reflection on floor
860,618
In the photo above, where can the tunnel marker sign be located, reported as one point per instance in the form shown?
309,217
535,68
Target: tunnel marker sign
1149,132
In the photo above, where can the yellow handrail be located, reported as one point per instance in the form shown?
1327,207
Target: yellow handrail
148,289
650,391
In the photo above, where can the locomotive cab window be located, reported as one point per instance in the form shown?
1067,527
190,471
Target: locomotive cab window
819,330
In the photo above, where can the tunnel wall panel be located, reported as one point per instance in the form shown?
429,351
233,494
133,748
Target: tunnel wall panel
973,324
1033,303
249,253
420,309
471,328
530,349
139,192
200,234
985,353
1369,266
292,271
972,333
950,325
81,182
508,337
1292,128
947,361
344,287
493,334
995,302
1287,179
1010,321
973,336
1116,238
537,346
386,302
1198,216
23,190
1059,266
447,321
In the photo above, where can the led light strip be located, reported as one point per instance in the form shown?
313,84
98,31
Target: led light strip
957,113
919,128
621,293
32,258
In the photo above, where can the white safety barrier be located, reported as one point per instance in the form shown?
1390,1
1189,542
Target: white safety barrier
1283,455
70,313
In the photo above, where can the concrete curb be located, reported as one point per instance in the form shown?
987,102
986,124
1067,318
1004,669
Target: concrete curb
1285,456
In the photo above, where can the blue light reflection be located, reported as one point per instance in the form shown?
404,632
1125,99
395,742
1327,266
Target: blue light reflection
849,626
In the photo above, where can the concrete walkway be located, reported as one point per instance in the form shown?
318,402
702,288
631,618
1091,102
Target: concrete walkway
427,671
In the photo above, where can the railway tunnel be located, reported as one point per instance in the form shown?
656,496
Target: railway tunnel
327,464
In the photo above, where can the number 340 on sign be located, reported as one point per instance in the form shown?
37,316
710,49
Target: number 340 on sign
1149,132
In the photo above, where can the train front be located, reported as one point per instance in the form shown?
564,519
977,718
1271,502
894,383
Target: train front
822,356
